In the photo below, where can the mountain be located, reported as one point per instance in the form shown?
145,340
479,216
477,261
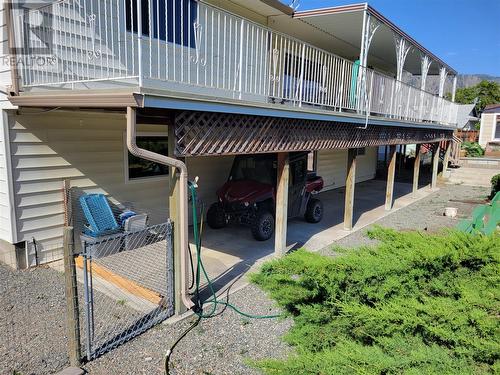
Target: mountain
467,80
463,80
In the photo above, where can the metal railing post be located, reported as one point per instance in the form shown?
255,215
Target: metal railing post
240,67
139,41
302,63
88,308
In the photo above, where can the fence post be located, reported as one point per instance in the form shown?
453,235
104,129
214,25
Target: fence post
72,313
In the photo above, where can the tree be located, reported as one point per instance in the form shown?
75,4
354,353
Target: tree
487,92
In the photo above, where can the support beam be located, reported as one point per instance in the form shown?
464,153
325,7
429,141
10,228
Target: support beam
446,160
283,174
391,171
416,170
349,188
435,165
442,80
174,211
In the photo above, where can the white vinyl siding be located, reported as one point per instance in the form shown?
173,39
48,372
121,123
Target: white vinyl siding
6,195
86,148
332,166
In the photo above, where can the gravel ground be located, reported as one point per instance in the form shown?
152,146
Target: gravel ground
425,214
220,345
32,310
32,325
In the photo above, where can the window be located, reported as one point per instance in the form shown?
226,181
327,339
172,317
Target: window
172,20
361,151
139,168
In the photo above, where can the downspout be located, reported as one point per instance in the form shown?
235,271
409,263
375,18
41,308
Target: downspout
183,181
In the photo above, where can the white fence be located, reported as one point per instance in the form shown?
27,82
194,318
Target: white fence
187,45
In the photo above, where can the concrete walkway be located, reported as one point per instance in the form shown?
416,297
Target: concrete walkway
229,253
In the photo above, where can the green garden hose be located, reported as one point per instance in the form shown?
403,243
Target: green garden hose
200,268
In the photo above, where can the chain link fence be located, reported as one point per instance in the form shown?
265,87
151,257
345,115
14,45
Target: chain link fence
128,285
122,286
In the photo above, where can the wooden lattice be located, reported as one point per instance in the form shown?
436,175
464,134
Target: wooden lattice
209,133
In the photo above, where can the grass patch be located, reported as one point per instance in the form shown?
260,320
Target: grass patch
414,304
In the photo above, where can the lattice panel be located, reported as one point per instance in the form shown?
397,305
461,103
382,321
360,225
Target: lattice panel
208,133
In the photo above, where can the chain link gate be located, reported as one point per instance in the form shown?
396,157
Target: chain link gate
128,285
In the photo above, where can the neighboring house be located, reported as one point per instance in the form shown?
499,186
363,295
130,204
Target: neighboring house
489,132
467,120
205,81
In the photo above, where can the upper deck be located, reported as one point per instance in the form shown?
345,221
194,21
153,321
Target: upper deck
191,48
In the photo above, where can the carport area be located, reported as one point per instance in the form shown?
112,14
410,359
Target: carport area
230,253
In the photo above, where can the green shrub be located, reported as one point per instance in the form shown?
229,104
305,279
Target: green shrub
472,149
495,185
415,304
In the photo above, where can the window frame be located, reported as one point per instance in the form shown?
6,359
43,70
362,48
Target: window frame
129,180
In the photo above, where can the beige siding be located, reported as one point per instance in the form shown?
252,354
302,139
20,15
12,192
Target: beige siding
487,128
332,166
89,150
212,171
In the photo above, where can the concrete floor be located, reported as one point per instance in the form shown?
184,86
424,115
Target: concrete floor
230,253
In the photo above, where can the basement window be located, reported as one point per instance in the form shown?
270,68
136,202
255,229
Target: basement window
361,151
138,168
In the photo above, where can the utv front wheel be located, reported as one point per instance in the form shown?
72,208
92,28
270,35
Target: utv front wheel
263,226
314,211
216,217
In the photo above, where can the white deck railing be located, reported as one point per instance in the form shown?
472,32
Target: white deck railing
189,46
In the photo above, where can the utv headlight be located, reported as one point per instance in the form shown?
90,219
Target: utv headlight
246,204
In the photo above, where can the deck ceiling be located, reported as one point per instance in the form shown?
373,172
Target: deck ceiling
339,31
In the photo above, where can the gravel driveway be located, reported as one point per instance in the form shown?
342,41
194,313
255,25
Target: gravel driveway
32,309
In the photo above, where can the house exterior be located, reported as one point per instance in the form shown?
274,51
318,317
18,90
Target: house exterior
203,81
489,132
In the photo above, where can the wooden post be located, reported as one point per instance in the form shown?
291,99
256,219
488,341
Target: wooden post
349,188
391,171
416,170
72,314
435,165
174,215
283,174
446,160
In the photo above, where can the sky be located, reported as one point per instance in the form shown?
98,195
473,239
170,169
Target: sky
463,33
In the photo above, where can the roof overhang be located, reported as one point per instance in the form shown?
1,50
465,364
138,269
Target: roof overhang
344,25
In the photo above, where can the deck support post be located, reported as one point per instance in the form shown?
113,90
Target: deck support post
446,160
174,211
416,170
391,171
435,165
283,174
349,188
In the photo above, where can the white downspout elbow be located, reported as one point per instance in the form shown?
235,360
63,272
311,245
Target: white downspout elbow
183,181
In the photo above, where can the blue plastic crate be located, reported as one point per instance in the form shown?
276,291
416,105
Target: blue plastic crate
100,218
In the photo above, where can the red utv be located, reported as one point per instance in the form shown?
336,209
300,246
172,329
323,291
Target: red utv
248,196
